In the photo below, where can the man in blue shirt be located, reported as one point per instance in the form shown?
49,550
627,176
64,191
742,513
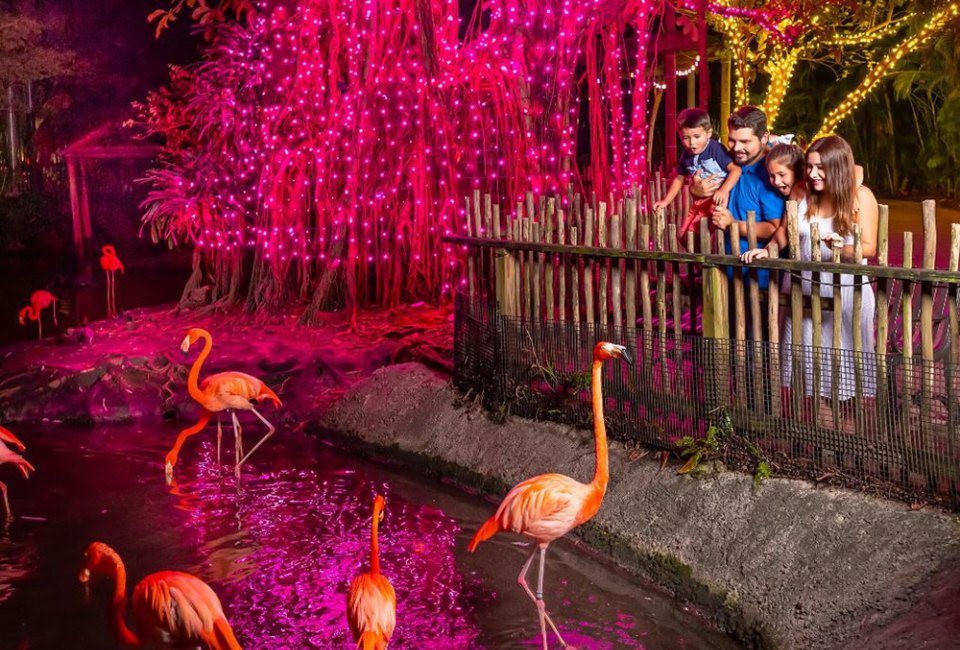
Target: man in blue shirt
747,142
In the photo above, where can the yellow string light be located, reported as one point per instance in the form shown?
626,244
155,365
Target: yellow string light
869,37
780,69
873,77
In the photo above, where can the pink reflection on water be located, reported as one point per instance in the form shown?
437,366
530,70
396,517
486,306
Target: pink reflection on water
282,550
17,560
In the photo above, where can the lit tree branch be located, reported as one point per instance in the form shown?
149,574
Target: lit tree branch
880,70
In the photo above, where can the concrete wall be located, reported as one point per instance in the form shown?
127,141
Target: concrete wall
788,565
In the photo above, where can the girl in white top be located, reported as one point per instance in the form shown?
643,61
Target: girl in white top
832,197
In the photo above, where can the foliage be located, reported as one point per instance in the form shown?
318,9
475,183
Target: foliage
204,13
850,39
907,133
23,55
719,442
698,449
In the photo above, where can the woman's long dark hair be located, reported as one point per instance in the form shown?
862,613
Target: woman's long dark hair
840,185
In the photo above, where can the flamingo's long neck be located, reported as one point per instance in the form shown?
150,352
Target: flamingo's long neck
193,379
601,472
375,546
118,606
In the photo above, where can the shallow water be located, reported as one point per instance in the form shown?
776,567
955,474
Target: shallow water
281,550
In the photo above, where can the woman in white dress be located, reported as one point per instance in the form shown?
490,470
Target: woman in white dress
829,194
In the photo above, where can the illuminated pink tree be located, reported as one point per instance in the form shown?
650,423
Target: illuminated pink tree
322,150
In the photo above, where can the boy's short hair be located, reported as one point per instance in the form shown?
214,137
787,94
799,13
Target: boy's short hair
748,117
693,118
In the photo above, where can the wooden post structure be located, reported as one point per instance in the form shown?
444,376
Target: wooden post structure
906,397
773,325
883,304
796,314
716,327
926,321
816,315
858,415
954,341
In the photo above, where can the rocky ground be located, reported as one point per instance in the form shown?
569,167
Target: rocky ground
131,368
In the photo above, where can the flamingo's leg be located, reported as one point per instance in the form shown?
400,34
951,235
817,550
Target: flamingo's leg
237,442
40,326
522,581
6,504
219,436
53,305
239,436
541,606
262,440
538,599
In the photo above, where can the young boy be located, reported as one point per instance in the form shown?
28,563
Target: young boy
704,156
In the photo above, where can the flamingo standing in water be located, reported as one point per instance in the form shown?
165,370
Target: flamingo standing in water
39,300
224,391
7,455
547,507
372,603
110,263
169,607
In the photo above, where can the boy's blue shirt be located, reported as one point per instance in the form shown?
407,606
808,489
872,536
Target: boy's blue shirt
714,159
753,192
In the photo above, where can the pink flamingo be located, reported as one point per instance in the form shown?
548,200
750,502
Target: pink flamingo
7,455
547,507
39,300
372,602
224,391
110,263
171,608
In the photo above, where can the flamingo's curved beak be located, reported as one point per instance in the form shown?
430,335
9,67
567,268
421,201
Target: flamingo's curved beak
185,345
84,576
625,355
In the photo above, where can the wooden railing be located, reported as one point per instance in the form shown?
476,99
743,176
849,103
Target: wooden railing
584,264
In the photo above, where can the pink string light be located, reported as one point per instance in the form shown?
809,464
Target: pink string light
347,133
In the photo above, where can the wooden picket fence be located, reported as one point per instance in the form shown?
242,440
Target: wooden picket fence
589,265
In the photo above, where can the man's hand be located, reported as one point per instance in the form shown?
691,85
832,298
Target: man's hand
704,187
721,198
721,218
660,205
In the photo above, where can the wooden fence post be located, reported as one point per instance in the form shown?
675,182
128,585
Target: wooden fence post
716,328
883,304
926,322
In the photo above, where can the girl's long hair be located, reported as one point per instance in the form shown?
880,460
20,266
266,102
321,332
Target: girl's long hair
840,185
